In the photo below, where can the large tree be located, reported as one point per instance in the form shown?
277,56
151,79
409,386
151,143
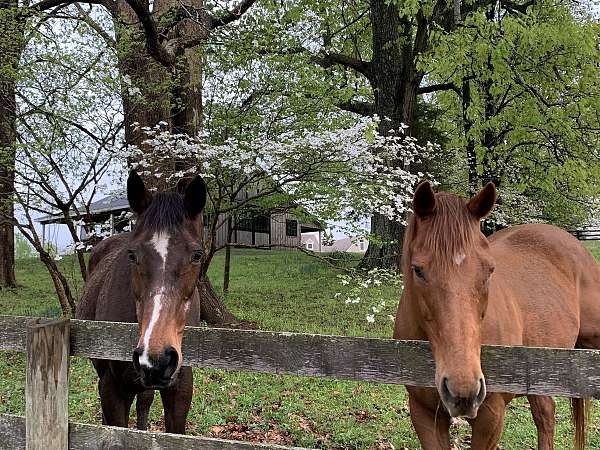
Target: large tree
15,22
393,58
525,115
160,59
11,46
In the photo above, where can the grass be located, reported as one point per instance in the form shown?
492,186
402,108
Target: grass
281,291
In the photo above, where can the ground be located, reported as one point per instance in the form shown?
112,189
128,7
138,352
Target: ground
281,291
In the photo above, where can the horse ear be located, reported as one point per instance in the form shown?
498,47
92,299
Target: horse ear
483,203
138,196
424,200
194,197
182,184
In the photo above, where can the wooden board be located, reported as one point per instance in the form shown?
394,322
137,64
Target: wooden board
95,437
47,386
520,370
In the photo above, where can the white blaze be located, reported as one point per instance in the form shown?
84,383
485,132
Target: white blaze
160,241
459,258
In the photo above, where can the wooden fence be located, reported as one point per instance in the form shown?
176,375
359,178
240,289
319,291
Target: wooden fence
587,234
48,344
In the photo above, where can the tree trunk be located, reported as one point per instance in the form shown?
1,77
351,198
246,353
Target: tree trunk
213,310
470,142
61,285
146,85
394,81
172,96
11,46
227,267
78,252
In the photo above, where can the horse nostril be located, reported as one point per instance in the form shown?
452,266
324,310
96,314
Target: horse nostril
445,385
136,359
482,391
169,361
445,389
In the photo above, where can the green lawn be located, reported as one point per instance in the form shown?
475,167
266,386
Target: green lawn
282,291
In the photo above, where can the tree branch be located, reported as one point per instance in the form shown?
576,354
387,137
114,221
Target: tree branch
231,16
516,7
44,5
330,59
361,108
153,43
438,87
83,14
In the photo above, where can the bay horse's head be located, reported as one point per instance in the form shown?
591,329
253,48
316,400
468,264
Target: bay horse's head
165,253
447,267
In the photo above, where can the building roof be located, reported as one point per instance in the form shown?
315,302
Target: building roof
341,245
118,202
110,204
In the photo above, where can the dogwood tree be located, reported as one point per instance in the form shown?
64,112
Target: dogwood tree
331,175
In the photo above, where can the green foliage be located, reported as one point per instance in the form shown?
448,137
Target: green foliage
261,78
535,93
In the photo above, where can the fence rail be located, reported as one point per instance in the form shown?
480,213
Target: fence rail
519,370
587,234
95,437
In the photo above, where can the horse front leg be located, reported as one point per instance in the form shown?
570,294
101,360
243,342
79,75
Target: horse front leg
142,408
115,402
429,418
177,400
489,423
543,411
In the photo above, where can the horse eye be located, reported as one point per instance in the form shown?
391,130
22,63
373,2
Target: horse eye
418,272
132,257
197,256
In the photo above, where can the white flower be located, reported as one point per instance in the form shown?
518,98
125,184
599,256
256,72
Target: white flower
370,318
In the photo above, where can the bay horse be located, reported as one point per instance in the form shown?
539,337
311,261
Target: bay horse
532,285
149,276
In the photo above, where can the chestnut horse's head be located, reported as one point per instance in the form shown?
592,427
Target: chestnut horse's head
165,253
447,267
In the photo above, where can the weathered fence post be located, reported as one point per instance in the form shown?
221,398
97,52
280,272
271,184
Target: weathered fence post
47,388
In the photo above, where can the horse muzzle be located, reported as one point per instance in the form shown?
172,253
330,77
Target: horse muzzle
463,404
159,371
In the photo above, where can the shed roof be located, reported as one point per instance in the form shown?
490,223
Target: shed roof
118,202
341,245
110,204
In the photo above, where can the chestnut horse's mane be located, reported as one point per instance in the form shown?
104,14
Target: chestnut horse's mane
450,231
166,212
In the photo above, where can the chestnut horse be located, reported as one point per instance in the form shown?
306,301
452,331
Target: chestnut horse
149,276
532,285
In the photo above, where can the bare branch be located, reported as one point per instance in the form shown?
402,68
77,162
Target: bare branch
516,7
45,5
153,42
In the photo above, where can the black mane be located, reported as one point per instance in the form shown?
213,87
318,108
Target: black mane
165,213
